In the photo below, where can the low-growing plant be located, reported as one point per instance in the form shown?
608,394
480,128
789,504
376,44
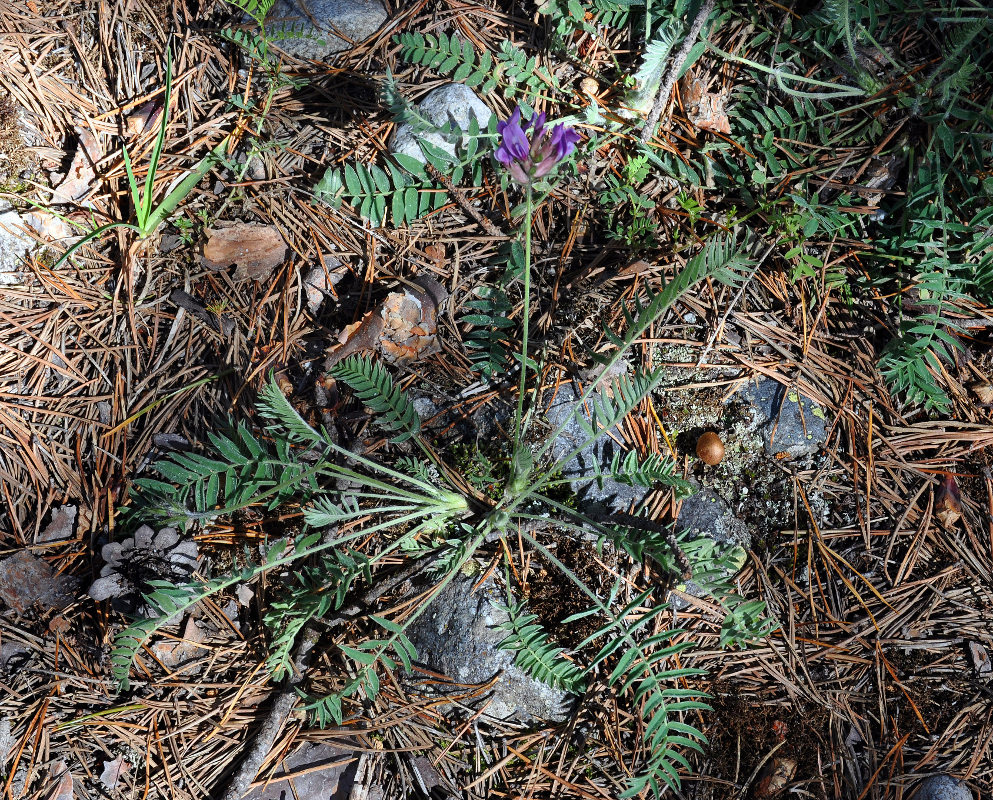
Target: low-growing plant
149,214
361,513
412,509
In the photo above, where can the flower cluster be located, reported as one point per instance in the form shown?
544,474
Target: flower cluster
529,157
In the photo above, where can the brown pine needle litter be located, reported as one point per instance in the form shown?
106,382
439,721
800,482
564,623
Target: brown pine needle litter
869,673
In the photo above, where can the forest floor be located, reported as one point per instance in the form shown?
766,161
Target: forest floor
874,554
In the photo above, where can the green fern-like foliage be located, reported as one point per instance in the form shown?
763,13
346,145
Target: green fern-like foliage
489,342
642,671
254,44
246,471
519,75
290,464
256,9
939,259
390,653
314,591
980,253
609,408
774,130
375,387
640,664
720,259
406,113
166,601
403,191
571,16
652,470
912,362
535,653
257,45
653,62
466,163
448,56
523,80
614,13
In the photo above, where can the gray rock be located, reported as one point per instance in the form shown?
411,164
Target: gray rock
320,280
451,104
425,408
707,514
19,140
458,636
790,423
321,20
943,787
611,496
14,246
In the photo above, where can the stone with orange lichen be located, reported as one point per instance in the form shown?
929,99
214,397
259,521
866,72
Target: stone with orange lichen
26,579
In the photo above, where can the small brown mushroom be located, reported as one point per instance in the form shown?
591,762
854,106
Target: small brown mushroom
710,448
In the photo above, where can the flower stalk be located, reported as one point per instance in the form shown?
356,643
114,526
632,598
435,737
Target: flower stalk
530,151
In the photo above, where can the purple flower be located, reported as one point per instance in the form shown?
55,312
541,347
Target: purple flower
528,158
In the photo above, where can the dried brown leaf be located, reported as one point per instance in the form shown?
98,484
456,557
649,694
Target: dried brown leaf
255,250
63,789
112,772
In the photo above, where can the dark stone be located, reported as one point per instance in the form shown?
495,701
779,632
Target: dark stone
791,425
355,19
608,496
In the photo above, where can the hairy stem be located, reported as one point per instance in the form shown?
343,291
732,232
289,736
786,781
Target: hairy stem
519,413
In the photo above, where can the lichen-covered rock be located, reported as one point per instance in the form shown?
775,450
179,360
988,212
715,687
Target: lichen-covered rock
18,140
706,514
792,426
327,25
458,636
453,104
943,787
